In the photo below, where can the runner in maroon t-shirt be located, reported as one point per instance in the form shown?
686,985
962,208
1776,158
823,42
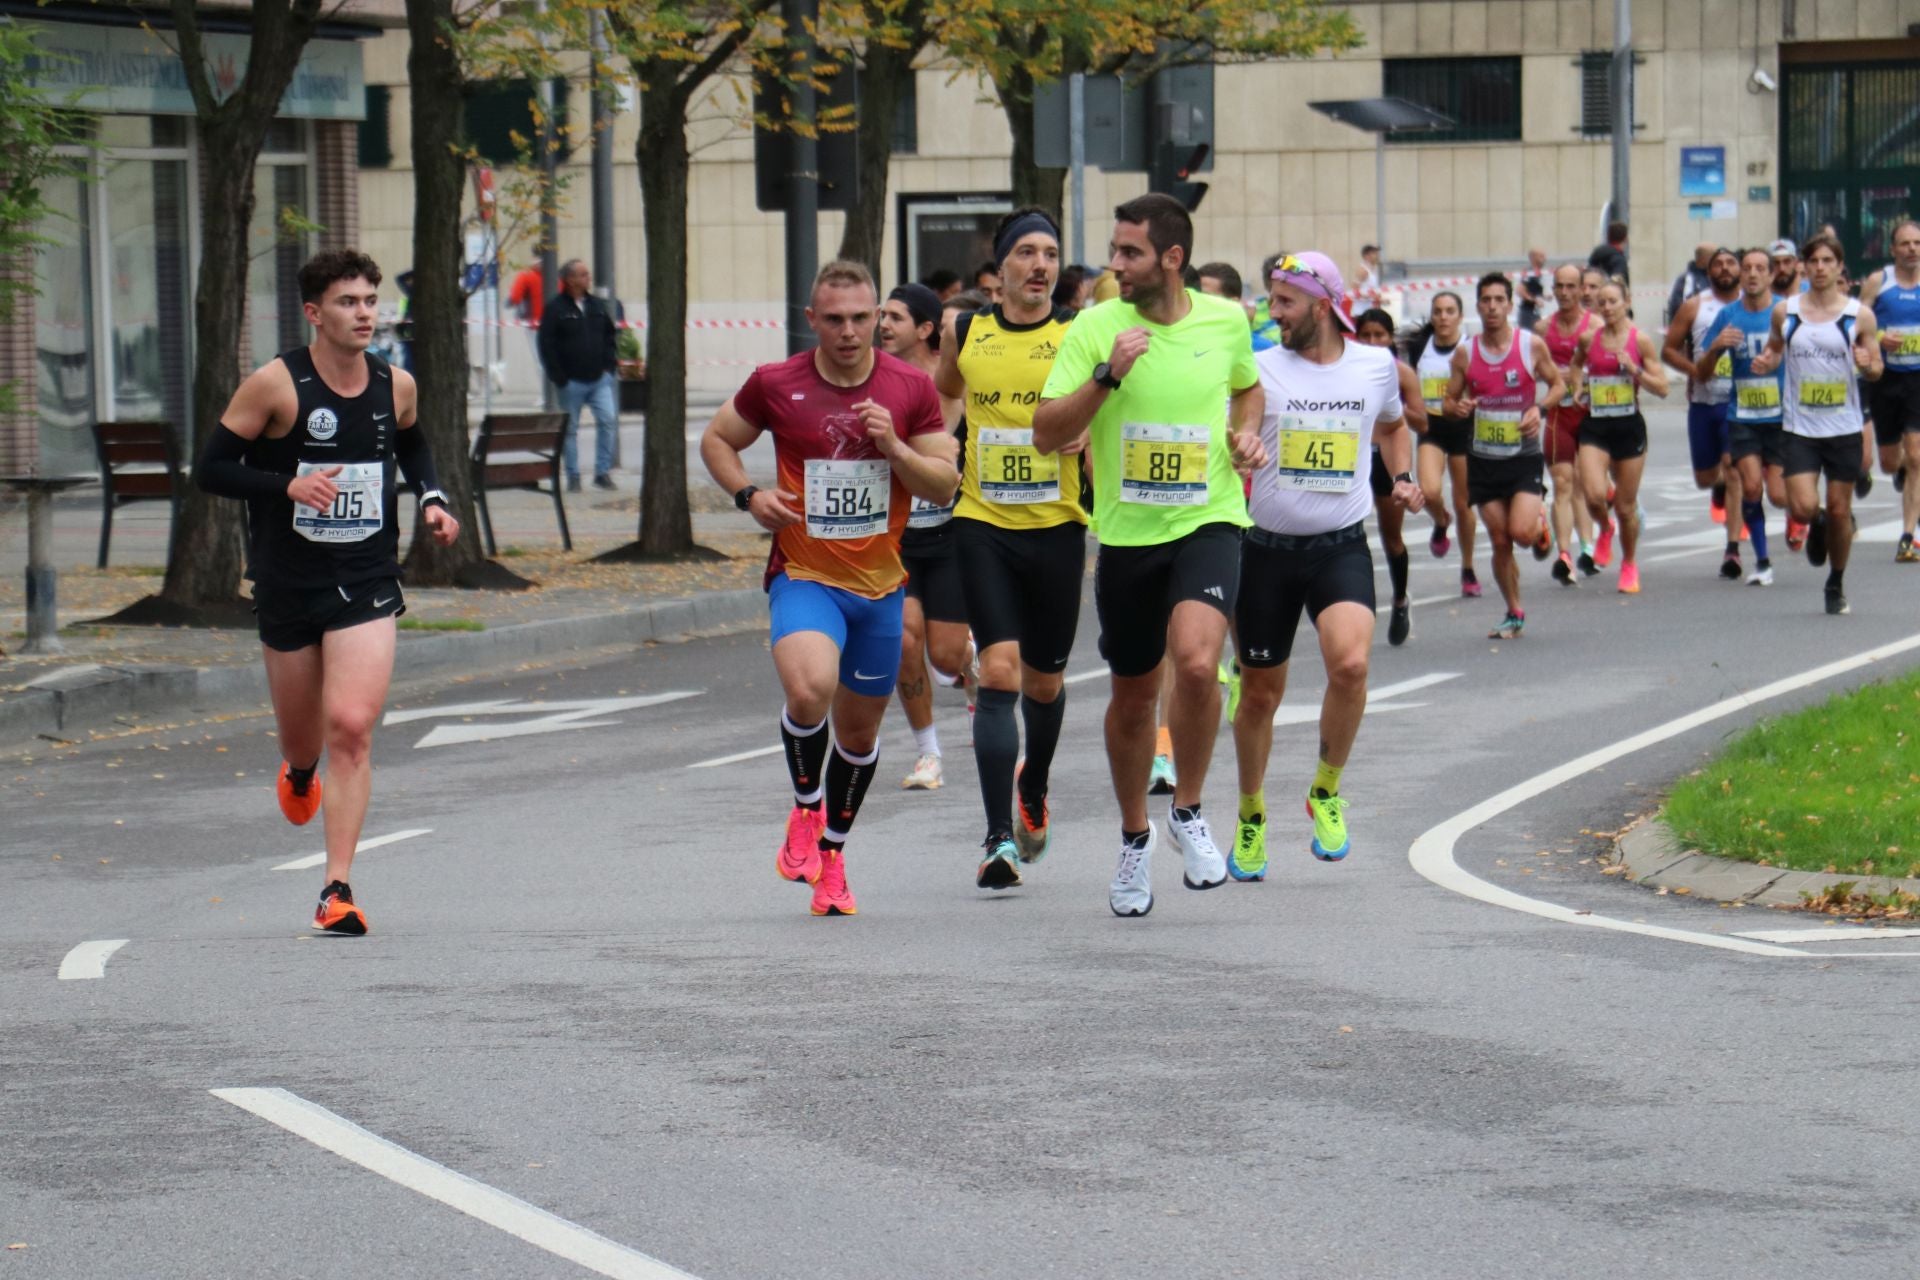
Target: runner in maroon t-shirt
856,434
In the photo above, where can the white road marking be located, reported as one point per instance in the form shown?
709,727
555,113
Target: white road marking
738,756
89,959
1832,933
496,1208
456,709
1304,713
1432,854
550,717
316,859
1094,674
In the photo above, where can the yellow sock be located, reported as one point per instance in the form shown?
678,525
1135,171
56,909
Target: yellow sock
1326,779
1253,806
1163,742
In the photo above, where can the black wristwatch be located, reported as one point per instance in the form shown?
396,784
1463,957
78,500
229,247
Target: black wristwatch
744,498
1405,477
1103,374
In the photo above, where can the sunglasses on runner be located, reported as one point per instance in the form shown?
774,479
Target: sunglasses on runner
1292,266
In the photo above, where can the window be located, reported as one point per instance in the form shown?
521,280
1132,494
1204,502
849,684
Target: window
376,139
1596,97
1481,94
498,110
906,117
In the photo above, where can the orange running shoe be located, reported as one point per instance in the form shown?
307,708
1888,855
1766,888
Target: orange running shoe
799,856
299,806
1629,578
831,897
336,912
1796,534
1603,546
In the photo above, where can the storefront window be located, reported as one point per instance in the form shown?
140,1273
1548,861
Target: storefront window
63,327
147,288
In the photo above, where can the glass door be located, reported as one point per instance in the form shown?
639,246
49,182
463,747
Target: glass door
147,289
63,330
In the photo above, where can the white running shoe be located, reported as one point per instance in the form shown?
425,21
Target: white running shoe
925,775
1131,893
1206,866
1761,577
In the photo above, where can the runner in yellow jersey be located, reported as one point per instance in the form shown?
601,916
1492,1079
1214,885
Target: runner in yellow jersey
1020,532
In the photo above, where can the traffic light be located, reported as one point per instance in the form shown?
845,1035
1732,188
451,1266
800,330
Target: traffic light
1174,165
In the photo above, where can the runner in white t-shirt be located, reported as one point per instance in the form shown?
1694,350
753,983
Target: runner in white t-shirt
1328,400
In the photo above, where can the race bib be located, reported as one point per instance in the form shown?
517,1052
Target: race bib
1434,392
1823,393
847,498
922,514
1012,471
1611,396
358,511
1720,382
1907,353
1756,397
1496,433
1318,454
1163,465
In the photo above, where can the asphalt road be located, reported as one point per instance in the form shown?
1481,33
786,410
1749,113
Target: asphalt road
587,990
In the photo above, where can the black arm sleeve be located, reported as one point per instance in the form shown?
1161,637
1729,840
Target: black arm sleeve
224,473
415,456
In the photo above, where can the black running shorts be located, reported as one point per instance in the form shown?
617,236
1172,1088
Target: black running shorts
1896,406
1498,479
1623,437
1024,585
1136,588
1452,436
294,620
933,574
1838,456
1765,439
1281,574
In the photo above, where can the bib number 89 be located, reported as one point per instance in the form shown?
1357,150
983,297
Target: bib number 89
1163,466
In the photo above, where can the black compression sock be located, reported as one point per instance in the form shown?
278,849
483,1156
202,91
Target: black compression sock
996,747
1397,574
1835,579
847,781
1043,720
301,779
806,751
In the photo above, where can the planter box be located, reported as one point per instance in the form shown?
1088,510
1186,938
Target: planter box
633,394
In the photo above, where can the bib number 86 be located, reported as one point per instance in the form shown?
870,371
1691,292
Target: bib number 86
1016,468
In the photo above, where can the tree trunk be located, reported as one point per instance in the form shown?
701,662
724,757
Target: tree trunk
438,309
206,552
666,523
1032,185
883,75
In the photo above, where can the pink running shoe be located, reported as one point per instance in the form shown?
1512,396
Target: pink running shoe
1629,578
799,856
1469,584
831,897
1603,546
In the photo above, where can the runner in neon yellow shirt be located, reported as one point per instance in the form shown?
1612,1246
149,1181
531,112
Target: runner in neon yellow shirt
1161,384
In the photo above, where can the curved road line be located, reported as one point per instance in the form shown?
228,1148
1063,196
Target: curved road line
1432,854
89,959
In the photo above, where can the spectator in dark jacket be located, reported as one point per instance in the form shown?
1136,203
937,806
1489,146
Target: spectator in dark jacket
1693,280
577,352
1611,257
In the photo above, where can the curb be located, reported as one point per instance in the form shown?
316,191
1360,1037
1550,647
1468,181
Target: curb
72,700
1654,856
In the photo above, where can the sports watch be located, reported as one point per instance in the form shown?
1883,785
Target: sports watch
744,498
1103,374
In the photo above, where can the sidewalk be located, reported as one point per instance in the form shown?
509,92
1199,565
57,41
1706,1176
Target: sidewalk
111,678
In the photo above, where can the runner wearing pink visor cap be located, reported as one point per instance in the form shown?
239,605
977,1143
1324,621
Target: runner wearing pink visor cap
1314,273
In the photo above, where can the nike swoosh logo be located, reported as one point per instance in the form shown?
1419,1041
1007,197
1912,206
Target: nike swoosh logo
378,416
1198,354
861,675
381,604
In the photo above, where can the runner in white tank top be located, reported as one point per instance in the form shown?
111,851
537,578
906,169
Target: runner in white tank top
1709,386
1827,340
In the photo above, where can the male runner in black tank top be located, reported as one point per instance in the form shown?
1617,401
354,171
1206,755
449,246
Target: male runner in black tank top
310,442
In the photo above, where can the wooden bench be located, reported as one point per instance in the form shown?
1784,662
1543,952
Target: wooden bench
128,453
519,451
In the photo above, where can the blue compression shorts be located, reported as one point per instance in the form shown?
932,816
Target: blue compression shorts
867,632
1707,434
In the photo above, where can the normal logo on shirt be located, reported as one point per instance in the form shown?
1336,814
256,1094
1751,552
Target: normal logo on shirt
321,424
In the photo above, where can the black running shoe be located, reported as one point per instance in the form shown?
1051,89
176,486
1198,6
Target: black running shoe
1864,485
1730,565
1817,542
1400,626
1587,566
1837,601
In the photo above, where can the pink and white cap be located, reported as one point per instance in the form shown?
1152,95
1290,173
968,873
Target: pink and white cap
1321,278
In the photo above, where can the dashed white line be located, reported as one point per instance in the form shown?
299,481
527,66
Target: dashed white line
1432,854
89,959
490,1205
316,859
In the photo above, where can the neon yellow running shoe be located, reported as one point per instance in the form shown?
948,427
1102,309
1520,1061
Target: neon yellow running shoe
1329,816
1230,677
1248,861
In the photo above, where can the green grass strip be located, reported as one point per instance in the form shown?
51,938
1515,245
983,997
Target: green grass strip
1835,787
441,624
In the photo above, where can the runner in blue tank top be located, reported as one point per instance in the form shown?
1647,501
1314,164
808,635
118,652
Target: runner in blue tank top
1894,295
1754,413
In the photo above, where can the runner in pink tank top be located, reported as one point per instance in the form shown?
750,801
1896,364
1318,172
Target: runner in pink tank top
1495,382
1562,331
1614,364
